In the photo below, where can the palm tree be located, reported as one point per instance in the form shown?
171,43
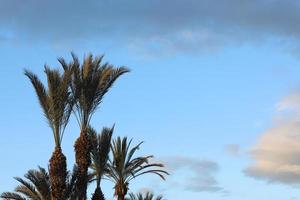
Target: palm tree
37,186
90,82
140,196
57,105
123,167
100,152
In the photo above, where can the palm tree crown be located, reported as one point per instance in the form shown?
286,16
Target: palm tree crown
55,101
37,186
91,81
124,167
140,196
100,152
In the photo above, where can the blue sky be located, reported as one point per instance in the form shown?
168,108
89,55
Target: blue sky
213,90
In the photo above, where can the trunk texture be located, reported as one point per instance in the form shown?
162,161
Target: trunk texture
58,174
121,197
83,161
98,194
121,191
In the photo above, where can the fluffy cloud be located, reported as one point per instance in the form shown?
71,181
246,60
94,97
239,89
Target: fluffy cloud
277,153
190,25
195,175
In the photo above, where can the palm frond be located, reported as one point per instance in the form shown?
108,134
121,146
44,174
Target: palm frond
145,196
41,94
27,189
56,101
37,186
41,181
100,151
11,196
90,82
71,192
123,166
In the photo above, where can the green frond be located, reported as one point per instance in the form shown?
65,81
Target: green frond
37,186
123,166
27,189
100,151
40,180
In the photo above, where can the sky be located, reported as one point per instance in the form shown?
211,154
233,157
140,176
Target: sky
214,90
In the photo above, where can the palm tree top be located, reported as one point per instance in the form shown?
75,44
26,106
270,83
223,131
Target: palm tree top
123,167
90,82
141,196
100,151
55,100
37,186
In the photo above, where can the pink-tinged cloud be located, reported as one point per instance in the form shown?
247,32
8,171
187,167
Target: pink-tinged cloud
277,153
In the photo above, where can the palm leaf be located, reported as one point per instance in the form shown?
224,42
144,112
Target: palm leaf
123,166
90,82
11,196
56,101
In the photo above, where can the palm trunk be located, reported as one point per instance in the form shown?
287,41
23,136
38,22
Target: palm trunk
121,197
121,191
98,194
58,174
83,161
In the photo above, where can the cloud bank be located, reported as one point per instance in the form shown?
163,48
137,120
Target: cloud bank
185,26
277,152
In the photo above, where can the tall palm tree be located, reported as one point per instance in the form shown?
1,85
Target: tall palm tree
100,152
123,167
90,82
57,105
37,186
140,196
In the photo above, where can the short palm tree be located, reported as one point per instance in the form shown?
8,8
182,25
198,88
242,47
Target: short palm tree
37,186
91,80
141,196
100,152
57,105
123,167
